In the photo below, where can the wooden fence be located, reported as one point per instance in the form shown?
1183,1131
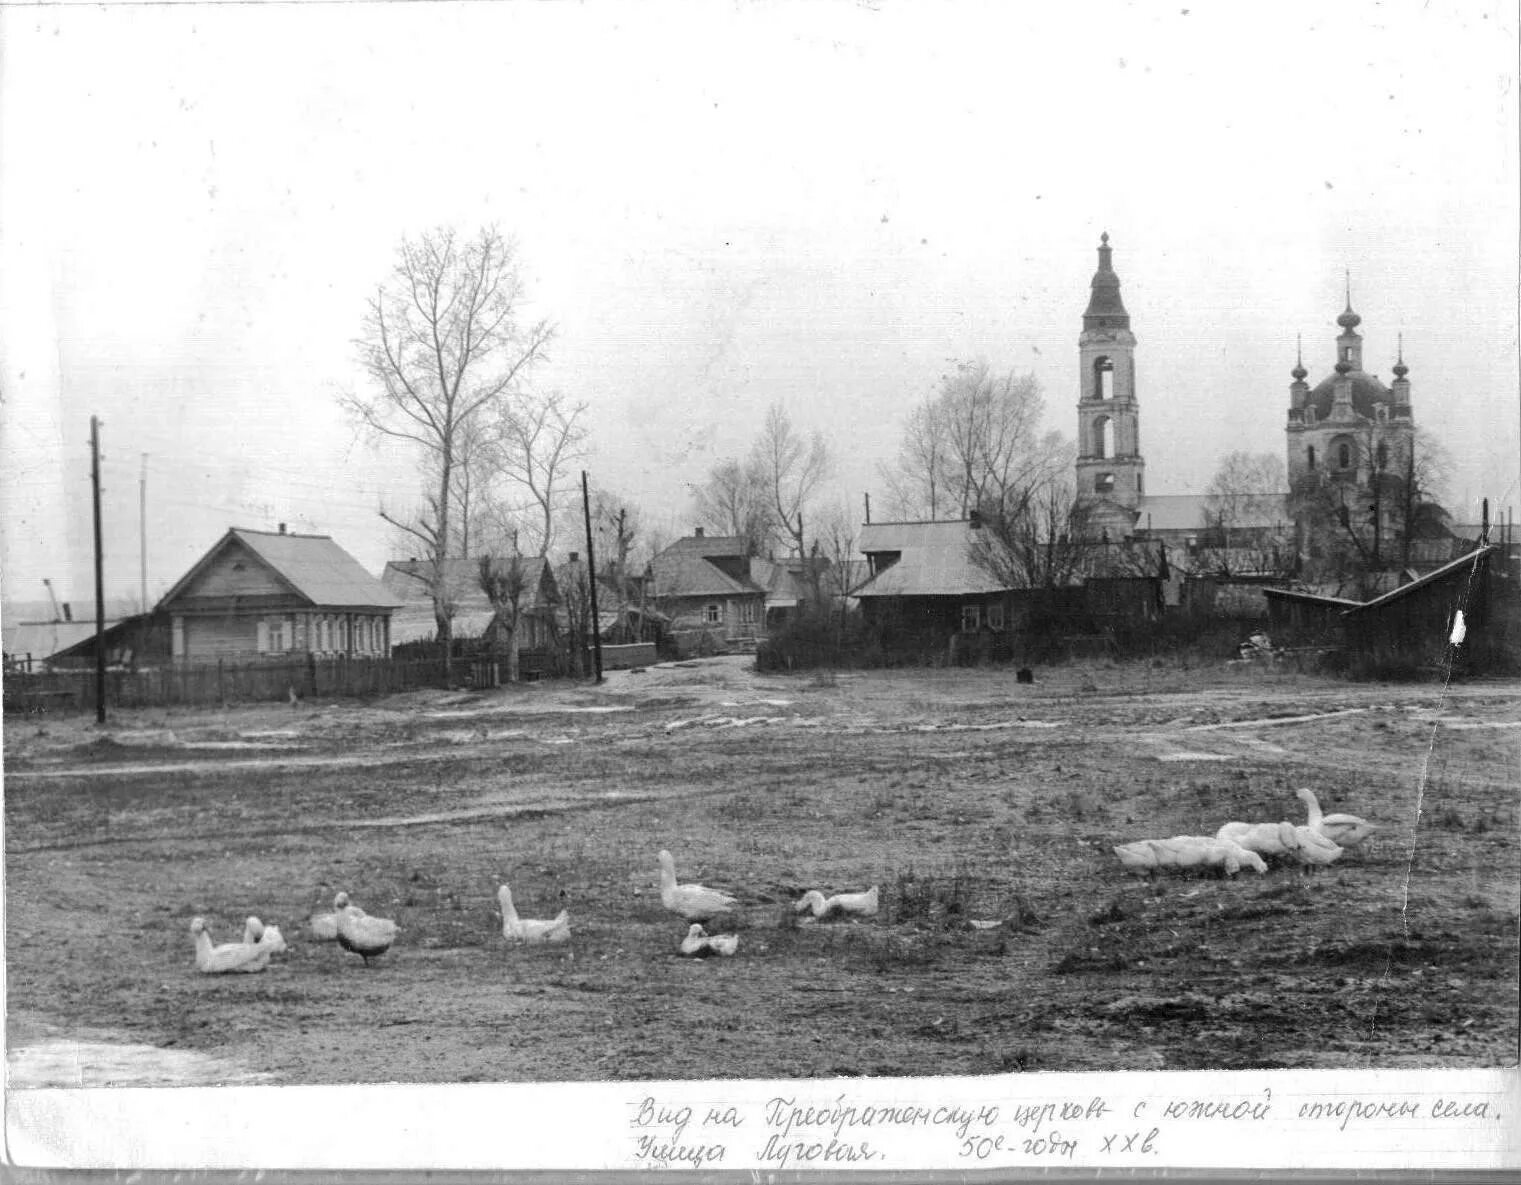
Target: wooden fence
225,683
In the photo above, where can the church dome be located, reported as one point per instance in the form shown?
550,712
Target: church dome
1367,391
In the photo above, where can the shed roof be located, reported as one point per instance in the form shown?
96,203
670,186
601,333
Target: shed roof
933,560
1438,574
314,567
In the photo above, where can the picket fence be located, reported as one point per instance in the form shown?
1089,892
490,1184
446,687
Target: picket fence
226,683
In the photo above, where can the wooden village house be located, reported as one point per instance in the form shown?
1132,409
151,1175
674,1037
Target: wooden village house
702,583
271,595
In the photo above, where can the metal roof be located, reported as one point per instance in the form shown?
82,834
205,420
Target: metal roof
314,567
1187,512
1431,577
933,560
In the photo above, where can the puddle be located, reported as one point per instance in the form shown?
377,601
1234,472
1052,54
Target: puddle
60,1062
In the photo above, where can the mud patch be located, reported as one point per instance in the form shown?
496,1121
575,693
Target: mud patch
61,1062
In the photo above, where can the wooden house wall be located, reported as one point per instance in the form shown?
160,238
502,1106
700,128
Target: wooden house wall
691,613
1419,624
209,637
235,572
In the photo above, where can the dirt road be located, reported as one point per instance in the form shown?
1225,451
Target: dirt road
964,795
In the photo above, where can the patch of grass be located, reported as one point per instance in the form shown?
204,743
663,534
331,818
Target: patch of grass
930,899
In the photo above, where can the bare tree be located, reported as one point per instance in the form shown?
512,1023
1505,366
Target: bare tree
443,343
794,467
505,582
1245,515
1039,539
734,501
538,441
975,446
918,485
616,525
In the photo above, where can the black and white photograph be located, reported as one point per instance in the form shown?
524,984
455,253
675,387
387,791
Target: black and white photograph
586,545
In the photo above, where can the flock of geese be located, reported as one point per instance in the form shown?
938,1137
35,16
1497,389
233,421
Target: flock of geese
366,936
1317,842
1312,844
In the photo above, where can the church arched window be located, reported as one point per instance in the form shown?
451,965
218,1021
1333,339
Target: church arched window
1103,377
1103,483
1383,455
1103,437
1310,454
1344,456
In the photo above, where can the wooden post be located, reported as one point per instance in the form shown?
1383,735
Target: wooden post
591,576
100,586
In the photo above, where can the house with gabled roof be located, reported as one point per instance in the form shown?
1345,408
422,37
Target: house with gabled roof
272,595
702,583
923,584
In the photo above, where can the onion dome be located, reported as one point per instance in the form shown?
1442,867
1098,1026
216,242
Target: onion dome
1349,319
1299,372
1400,369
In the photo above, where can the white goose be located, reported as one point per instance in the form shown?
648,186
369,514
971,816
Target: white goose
858,905
1315,850
246,957
696,903
699,944
358,932
1349,831
323,927
253,929
1188,851
1266,839
516,929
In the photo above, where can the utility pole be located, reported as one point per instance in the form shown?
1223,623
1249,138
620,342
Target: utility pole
142,535
100,584
591,576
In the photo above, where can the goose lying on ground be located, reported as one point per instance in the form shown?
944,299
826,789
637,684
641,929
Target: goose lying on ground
699,944
358,932
516,929
1315,850
1266,839
1349,831
230,957
696,903
858,905
1188,851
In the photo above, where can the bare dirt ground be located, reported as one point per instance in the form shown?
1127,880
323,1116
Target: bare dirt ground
965,795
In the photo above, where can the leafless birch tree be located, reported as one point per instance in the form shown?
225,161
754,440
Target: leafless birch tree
444,342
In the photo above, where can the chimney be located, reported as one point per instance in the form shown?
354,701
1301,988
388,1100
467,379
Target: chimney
697,532
282,528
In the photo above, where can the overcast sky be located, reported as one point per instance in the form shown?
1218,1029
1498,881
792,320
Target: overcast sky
721,206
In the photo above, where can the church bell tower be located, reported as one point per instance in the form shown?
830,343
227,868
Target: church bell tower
1109,464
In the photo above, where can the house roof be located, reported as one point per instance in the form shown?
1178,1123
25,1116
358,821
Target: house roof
315,568
683,570
473,613
1188,512
712,545
1294,594
43,639
1430,578
411,581
933,560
